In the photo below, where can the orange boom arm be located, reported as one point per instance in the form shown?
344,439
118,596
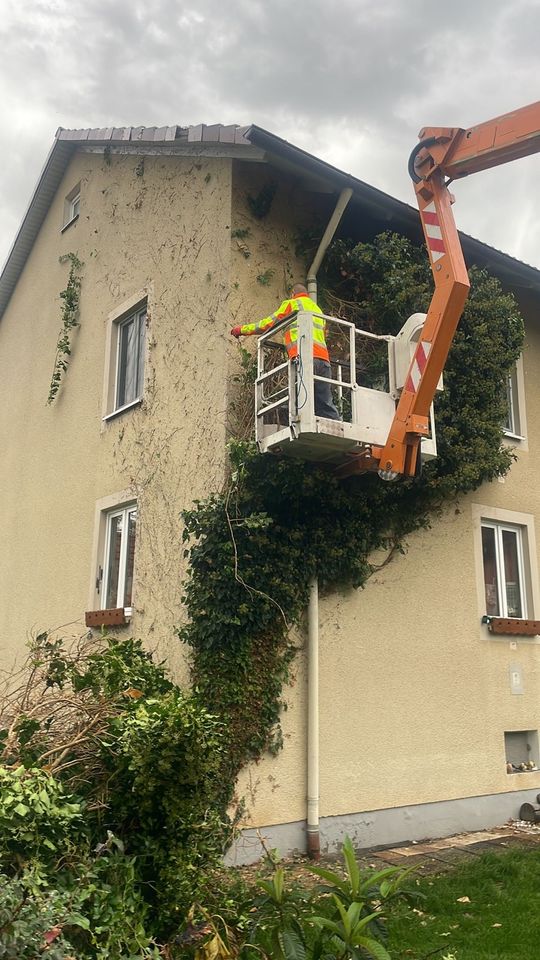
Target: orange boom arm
442,153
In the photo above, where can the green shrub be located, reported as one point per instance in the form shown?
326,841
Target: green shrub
38,819
106,891
31,925
90,908
138,757
165,802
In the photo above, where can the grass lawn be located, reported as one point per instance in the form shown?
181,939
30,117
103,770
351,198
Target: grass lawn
502,918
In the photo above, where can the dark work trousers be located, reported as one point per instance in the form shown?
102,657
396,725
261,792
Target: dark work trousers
324,405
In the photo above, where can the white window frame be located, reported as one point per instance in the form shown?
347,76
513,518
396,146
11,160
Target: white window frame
140,315
502,601
135,304
515,428
72,204
107,507
487,514
111,515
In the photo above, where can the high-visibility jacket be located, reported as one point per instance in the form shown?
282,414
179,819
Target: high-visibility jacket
302,301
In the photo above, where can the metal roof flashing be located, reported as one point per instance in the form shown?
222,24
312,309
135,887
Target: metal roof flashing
231,140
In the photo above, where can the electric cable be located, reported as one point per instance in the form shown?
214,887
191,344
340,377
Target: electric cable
300,383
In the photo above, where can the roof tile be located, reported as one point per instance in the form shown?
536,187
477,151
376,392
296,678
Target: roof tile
195,133
211,133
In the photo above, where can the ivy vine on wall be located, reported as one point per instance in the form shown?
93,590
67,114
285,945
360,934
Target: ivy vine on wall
70,319
254,548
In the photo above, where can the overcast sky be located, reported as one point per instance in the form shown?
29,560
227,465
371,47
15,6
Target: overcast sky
352,82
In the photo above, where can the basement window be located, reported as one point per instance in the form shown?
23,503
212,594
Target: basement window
521,751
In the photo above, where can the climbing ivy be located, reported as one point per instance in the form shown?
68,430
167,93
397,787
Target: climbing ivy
70,319
261,205
254,548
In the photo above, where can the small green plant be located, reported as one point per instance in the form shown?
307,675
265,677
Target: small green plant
279,914
348,933
241,233
70,319
265,278
240,236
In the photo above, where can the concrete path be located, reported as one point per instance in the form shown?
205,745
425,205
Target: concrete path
438,856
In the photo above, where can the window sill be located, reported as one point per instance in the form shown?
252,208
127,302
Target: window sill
69,223
120,410
512,626
117,617
512,436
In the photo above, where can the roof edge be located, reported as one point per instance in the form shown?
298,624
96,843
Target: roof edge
232,135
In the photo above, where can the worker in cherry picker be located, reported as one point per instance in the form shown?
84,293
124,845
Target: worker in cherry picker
300,300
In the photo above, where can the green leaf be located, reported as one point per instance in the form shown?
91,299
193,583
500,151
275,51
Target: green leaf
278,882
77,920
21,809
352,865
327,924
291,944
373,947
332,878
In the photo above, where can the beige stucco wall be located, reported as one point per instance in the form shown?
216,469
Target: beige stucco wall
163,224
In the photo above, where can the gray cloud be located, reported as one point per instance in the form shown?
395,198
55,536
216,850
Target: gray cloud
351,82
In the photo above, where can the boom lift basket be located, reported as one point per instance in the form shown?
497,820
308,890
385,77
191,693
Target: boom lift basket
365,393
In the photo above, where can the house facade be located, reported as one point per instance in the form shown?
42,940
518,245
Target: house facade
181,234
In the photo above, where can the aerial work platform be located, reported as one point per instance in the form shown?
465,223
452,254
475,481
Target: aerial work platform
368,375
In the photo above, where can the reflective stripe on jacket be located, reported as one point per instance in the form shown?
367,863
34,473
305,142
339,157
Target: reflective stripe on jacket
302,301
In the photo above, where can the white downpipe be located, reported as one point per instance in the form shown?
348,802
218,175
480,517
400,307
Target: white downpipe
313,839
313,835
333,224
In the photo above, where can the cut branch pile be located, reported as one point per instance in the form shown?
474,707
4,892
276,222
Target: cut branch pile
49,719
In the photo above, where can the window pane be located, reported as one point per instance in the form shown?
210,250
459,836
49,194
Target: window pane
113,562
511,573
491,584
509,422
75,205
127,383
130,359
128,590
141,319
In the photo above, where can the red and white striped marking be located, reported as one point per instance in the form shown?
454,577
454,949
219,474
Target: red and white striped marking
418,366
433,232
